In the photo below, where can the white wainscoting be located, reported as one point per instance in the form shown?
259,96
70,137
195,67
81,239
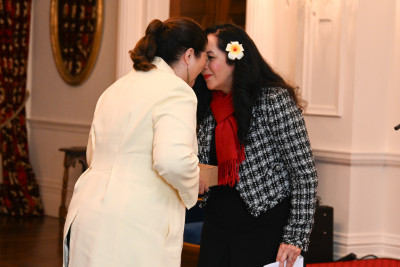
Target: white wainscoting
46,137
356,159
378,244
319,56
314,51
383,242
58,126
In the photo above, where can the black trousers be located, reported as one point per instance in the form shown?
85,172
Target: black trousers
231,237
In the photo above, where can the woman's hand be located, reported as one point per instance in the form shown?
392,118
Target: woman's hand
289,253
203,188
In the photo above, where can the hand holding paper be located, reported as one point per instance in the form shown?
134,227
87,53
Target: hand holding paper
298,263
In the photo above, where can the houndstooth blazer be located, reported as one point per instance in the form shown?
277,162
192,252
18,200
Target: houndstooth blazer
279,162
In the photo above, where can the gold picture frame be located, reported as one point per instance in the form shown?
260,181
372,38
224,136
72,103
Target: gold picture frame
76,32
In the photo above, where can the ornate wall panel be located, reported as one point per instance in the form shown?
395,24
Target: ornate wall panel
320,56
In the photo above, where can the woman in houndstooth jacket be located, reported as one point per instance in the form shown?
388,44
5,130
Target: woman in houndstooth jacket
250,124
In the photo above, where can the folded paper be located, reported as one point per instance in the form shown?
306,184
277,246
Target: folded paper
298,263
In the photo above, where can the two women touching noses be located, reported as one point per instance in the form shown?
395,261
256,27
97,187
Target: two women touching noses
144,146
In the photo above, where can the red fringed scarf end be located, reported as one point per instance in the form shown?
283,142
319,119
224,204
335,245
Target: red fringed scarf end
228,171
230,153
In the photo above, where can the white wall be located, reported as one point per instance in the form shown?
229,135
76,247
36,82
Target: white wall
261,17
347,64
133,18
372,131
59,114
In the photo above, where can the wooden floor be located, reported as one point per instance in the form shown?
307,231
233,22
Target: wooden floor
36,242
30,242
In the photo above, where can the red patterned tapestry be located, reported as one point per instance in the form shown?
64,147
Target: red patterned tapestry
19,191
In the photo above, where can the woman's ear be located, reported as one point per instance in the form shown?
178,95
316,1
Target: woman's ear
189,54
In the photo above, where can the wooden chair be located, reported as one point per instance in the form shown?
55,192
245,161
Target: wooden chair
190,255
190,251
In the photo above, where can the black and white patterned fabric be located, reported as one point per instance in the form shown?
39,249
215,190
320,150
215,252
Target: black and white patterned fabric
279,162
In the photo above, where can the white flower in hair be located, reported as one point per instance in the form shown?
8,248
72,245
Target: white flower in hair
235,50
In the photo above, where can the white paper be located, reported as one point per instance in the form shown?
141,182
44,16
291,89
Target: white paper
298,263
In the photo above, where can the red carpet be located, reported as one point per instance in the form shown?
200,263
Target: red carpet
359,263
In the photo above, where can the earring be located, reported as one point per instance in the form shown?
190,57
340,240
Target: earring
187,69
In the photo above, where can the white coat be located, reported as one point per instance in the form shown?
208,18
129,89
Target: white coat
128,207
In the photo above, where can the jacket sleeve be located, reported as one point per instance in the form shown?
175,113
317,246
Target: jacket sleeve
289,129
175,142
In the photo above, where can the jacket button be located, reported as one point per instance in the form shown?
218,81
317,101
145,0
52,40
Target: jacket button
277,167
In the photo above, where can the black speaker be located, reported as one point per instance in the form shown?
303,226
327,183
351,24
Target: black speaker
321,239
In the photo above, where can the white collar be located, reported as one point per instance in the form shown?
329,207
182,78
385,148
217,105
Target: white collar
162,65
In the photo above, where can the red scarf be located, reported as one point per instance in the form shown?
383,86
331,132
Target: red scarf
230,153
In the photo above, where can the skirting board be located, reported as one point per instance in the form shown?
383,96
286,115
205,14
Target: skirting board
378,244
51,197
356,158
59,126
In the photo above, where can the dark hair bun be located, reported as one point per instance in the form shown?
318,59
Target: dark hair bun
168,40
155,27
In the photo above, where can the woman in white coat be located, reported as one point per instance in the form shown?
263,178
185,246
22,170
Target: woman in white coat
128,207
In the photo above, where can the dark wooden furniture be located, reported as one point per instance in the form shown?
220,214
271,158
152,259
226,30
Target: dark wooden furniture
72,155
190,255
321,239
191,239
207,12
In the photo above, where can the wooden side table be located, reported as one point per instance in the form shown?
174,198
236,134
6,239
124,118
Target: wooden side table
72,155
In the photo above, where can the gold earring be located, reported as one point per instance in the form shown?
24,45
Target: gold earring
187,69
